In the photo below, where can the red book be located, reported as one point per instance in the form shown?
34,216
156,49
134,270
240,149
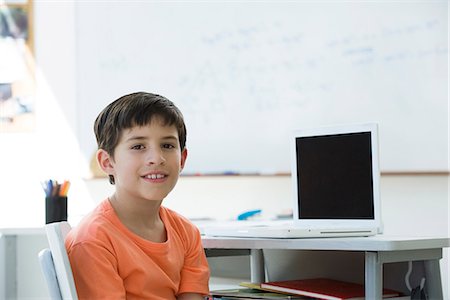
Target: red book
322,288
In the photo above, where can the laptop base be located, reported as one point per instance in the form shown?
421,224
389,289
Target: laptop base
270,231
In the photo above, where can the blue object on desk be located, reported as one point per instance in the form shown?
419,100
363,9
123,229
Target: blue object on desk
248,214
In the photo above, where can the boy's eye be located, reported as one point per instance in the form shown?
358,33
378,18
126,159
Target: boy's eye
168,146
137,147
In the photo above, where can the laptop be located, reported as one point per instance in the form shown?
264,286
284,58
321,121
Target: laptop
335,179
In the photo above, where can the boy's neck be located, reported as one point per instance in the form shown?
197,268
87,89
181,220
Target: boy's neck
140,217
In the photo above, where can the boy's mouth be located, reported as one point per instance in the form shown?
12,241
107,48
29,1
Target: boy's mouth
155,176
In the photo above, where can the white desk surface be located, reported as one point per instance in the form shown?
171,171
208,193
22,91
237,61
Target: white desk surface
23,231
373,243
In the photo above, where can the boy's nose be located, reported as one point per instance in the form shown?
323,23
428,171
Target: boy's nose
155,156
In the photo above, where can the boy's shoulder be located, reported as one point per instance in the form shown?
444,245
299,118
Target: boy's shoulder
174,216
177,220
94,226
102,227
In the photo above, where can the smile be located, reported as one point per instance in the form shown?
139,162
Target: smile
155,176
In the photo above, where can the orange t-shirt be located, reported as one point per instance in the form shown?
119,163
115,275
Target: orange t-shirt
110,262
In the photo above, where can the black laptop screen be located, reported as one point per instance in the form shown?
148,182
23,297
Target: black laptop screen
334,174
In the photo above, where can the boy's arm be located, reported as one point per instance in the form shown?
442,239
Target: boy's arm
95,272
190,296
195,273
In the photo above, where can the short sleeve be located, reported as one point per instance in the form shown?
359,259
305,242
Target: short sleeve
195,272
95,272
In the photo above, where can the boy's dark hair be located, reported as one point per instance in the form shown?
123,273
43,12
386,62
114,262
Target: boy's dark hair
137,109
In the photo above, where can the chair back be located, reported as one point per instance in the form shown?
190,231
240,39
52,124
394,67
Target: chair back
48,269
56,233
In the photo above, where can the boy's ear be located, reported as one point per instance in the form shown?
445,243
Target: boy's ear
184,154
105,161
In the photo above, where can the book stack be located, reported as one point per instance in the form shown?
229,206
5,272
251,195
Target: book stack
323,288
317,288
249,293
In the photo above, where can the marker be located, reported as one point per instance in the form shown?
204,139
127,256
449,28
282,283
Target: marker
248,214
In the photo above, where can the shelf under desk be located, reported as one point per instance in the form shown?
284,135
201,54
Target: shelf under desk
377,250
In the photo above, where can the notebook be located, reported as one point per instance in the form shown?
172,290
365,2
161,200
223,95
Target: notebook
335,180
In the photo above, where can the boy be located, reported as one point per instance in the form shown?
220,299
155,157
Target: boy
131,247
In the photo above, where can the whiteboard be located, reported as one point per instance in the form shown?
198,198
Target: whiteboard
246,74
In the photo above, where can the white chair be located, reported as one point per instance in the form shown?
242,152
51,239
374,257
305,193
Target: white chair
55,263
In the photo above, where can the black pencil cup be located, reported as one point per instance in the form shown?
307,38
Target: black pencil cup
55,209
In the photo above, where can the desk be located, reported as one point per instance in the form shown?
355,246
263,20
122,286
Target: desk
377,250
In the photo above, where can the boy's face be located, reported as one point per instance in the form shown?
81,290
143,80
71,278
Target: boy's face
147,161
